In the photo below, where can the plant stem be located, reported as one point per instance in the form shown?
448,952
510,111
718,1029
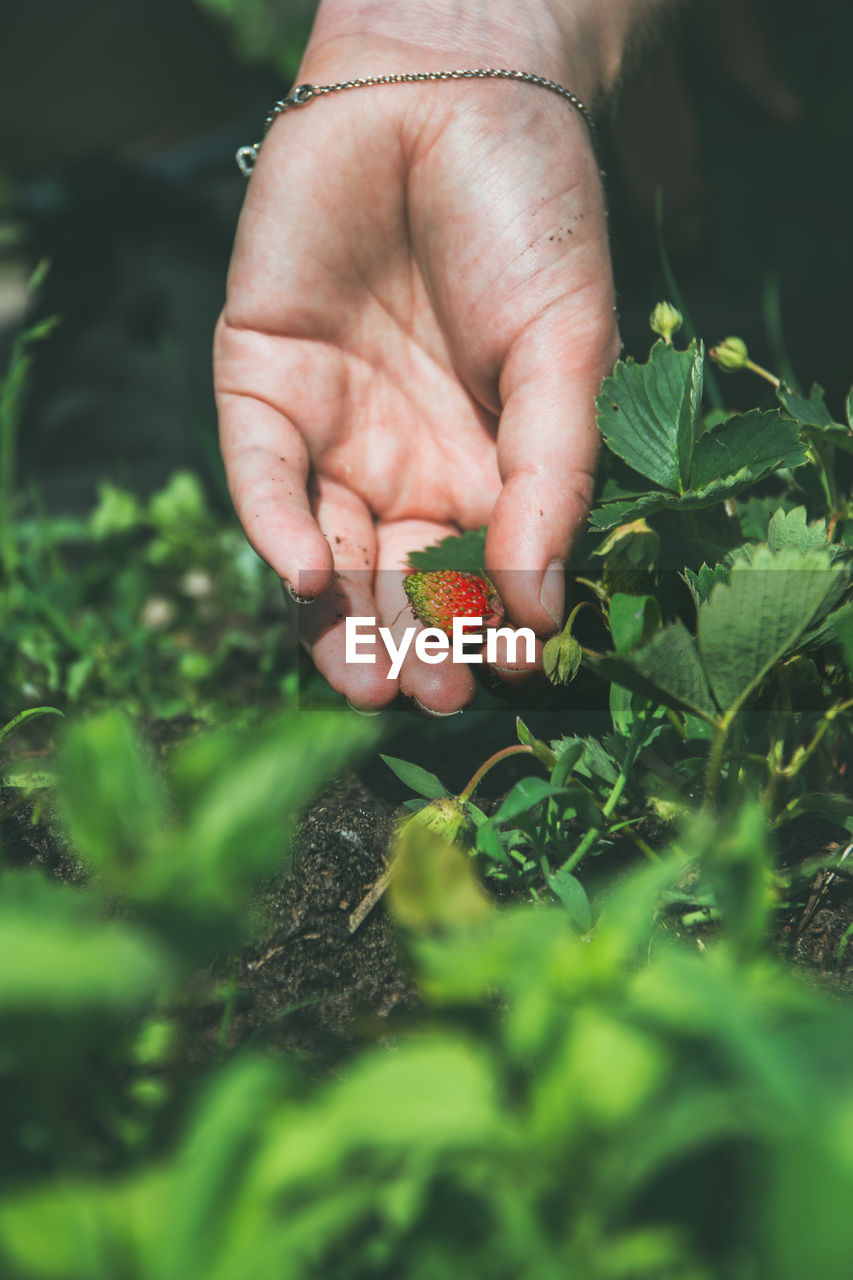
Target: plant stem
803,754
517,749
762,373
734,770
715,761
612,800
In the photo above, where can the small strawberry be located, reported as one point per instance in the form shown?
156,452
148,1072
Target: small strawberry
439,596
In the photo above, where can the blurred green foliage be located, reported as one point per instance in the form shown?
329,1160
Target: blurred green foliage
609,1106
265,30
161,603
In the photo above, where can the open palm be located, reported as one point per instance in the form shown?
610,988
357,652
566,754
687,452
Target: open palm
419,314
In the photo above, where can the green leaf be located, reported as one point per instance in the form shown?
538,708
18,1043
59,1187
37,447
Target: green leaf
524,796
633,620
31,713
755,444
420,780
434,884
232,803
750,622
668,670
58,958
621,709
744,449
790,529
488,841
28,780
701,584
568,752
611,514
813,415
113,803
540,749
180,504
835,808
845,639
809,411
574,898
831,629
464,552
117,512
672,662
647,413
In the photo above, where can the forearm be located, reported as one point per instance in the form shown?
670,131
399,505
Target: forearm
584,39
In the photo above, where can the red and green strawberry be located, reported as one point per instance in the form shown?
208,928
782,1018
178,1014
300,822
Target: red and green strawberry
440,595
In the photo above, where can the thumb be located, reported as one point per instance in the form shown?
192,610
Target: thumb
547,453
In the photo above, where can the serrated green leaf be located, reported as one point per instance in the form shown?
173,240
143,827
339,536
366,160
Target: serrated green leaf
464,552
751,621
672,662
701,584
744,449
612,514
790,529
420,780
647,413
597,762
717,490
832,629
814,417
668,670
810,411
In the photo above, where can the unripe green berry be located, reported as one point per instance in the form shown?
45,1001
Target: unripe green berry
730,354
666,320
561,658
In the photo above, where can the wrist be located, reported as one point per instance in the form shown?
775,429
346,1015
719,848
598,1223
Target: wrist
575,42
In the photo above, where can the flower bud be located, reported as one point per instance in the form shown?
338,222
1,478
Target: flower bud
561,658
666,320
730,354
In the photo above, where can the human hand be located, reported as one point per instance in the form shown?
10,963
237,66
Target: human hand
420,312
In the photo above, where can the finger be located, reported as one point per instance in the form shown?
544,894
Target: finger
515,660
547,451
266,463
439,689
363,674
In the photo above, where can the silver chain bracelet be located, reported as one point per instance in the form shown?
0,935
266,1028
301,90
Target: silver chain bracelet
302,93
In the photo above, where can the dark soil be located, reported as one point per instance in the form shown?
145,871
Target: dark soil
314,980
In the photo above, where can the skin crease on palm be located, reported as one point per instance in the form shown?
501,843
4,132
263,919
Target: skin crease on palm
419,314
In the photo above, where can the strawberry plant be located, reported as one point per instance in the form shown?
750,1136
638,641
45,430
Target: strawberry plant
715,611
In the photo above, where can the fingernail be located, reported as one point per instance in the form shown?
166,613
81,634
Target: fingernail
438,715
552,597
362,711
294,595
